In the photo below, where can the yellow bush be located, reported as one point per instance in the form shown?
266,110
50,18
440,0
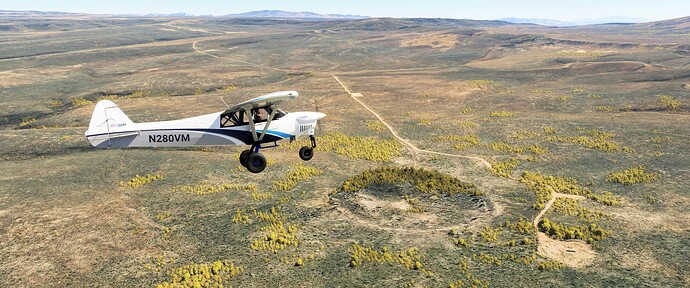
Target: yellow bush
214,274
376,126
79,101
633,175
501,114
139,181
505,168
549,130
524,134
206,189
659,140
462,241
540,184
227,88
277,235
489,234
239,217
669,102
139,94
163,215
500,146
55,104
367,148
523,226
258,196
293,177
571,207
598,140
410,258
467,124
27,123
563,98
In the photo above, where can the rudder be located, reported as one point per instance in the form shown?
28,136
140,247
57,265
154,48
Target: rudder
106,119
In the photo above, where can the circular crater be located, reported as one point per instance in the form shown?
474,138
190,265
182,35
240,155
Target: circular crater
402,207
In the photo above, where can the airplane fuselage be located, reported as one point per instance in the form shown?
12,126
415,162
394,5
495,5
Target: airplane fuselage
204,130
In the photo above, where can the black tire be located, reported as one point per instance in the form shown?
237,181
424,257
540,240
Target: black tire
306,153
256,162
243,157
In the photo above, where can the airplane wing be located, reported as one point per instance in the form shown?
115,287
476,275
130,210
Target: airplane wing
274,98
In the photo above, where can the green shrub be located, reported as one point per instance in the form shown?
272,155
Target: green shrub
633,175
423,180
590,234
551,265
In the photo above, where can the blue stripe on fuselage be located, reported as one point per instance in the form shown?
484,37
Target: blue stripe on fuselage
244,136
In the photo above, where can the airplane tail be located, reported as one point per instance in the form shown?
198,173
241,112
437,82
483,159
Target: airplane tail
107,121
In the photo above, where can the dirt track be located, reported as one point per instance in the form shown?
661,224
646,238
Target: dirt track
574,254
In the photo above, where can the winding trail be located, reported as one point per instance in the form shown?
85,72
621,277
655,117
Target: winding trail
548,205
414,149
571,253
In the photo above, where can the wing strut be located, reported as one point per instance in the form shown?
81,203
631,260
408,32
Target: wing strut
252,125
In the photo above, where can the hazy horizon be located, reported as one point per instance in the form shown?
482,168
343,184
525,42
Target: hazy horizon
487,10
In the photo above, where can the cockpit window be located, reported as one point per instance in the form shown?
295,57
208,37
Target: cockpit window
259,115
233,119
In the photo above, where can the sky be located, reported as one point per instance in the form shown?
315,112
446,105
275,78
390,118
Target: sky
461,9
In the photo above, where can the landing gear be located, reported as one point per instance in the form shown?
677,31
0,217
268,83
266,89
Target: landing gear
306,152
256,162
243,157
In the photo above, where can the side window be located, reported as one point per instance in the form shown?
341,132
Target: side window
232,119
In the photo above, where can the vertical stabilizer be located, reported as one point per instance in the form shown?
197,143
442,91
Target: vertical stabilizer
106,119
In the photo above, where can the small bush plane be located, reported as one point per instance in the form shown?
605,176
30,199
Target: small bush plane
256,122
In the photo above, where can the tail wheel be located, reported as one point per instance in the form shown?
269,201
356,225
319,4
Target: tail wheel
243,157
256,162
306,153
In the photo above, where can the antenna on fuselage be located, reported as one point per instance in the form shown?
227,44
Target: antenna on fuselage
226,104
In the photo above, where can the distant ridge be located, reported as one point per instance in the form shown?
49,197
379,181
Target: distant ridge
579,22
180,14
288,14
538,21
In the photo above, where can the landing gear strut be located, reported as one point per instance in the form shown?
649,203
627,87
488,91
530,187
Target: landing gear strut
306,152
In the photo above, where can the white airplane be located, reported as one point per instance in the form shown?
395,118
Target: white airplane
255,122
